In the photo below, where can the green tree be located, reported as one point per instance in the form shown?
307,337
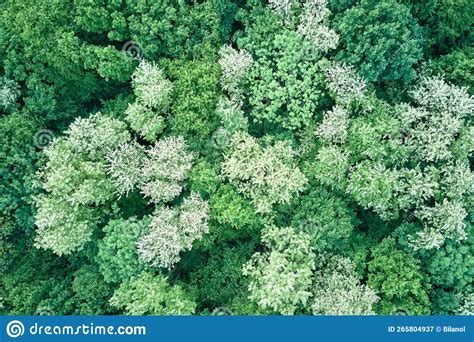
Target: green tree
268,175
284,82
195,97
219,279
397,278
327,218
281,277
338,290
451,266
37,283
228,207
445,23
18,156
60,70
91,292
456,66
236,157
150,294
77,191
117,252
389,49
204,177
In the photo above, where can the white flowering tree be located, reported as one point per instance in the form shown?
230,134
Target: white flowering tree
234,65
231,115
281,277
283,8
125,166
309,18
173,230
375,186
333,128
153,96
438,134
344,83
338,290
9,93
75,182
159,171
443,221
312,26
331,166
467,305
408,158
165,168
267,175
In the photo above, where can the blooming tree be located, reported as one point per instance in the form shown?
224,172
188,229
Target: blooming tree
234,64
338,290
76,186
281,277
153,92
267,175
173,230
164,169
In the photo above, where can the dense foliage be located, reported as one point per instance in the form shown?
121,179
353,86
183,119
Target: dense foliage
293,157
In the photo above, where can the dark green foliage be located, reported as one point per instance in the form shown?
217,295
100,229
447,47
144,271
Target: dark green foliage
446,24
91,292
195,95
37,283
452,266
395,275
302,148
457,66
381,39
117,257
18,156
219,280
168,28
443,302
58,70
326,218
451,270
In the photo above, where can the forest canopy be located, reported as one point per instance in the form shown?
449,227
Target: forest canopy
229,157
